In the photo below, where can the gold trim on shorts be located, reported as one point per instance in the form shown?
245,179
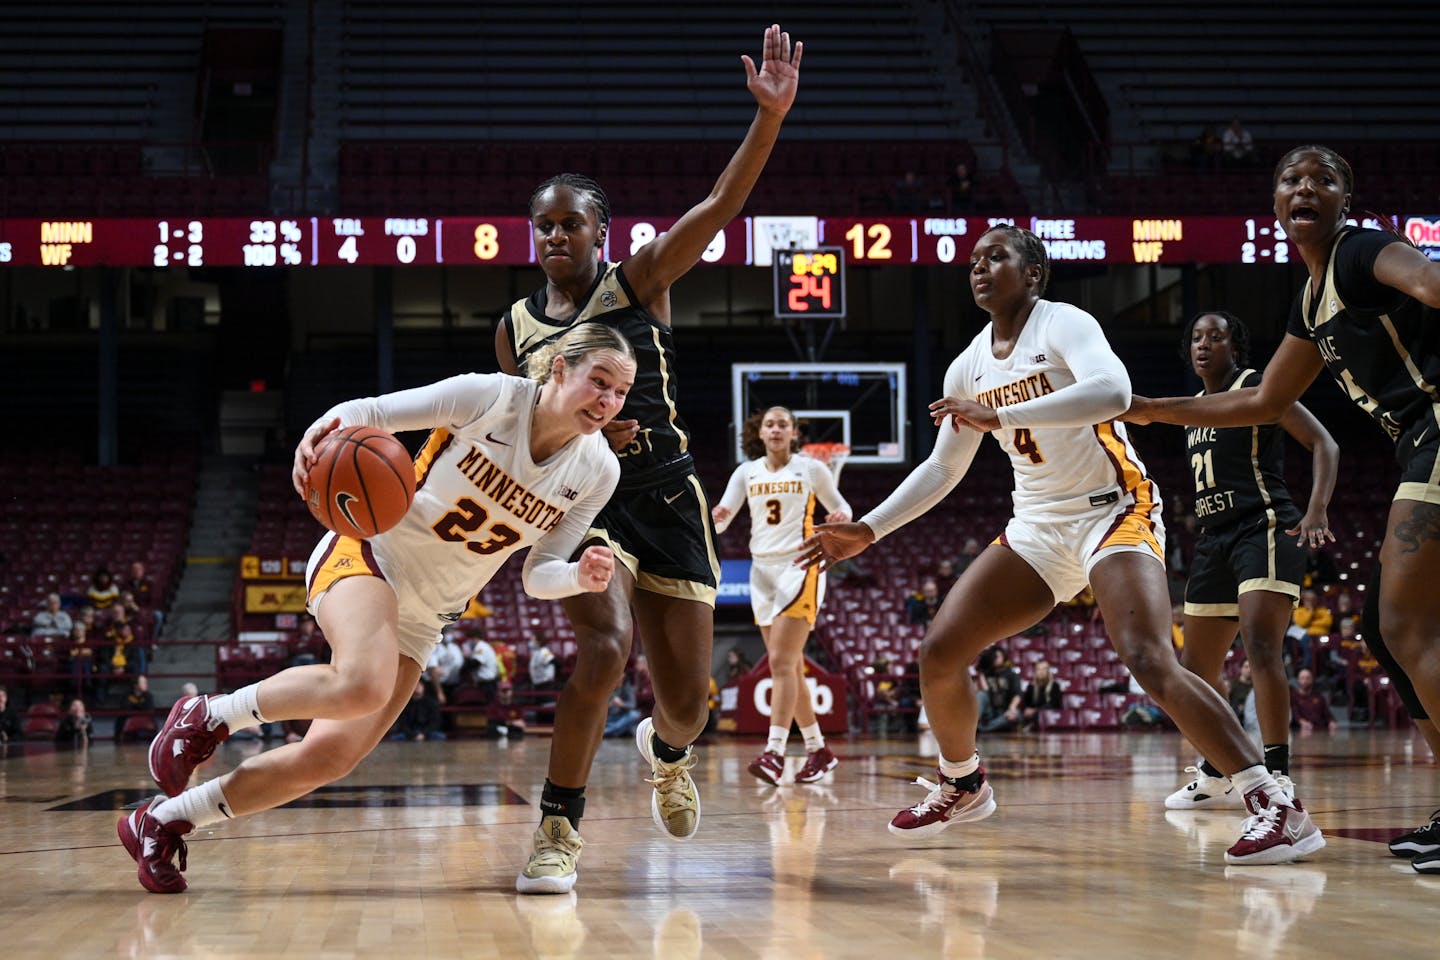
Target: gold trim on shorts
1212,609
806,605
649,582
346,557
1422,492
1291,590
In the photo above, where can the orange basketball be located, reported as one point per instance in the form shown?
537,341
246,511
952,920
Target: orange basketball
362,482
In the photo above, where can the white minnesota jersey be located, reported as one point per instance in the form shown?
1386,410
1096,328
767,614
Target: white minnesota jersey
781,502
1060,471
479,496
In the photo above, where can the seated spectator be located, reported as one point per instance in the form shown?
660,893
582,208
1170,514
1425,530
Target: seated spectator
1144,712
447,660
484,668
921,607
125,647
910,194
76,726
884,693
1041,693
140,586
945,576
542,663
1238,145
103,592
82,656
10,728
961,185
139,702
1000,692
907,694
504,718
1206,150
188,690
736,665
1177,627
52,623
420,720
1310,620
1308,709
1345,609
1240,689
307,644
1365,667
622,718
969,552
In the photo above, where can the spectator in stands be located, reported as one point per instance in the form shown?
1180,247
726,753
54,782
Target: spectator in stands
1320,568
504,718
1000,692
10,728
82,656
52,623
736,665
139,702
1043,556
1240,689
447,661
76,726
103,591
1177,626
961,185
1309,621
1359,279
921,607
486,668
1345,609
420,720
945,575
969,553
1238,145
187,691
307,645
1206,150
907,694
1308,709
910,194
140,585
542,663
1041,693
623,716
120,636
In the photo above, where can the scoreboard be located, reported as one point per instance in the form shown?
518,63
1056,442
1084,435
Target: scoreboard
747,241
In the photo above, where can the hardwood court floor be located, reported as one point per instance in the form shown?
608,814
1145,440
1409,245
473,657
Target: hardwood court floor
416,853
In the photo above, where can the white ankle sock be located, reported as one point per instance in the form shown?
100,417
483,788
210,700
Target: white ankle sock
1257,776
963,768
238,710
199,806
776,742
814,739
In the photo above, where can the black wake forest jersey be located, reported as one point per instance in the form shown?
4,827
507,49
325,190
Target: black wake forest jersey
662,448
1239,471
1380,345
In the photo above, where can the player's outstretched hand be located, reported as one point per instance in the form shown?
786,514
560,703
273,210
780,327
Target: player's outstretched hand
833,542
305,452
1313,530
719,514
773,85
597,566
837,516
964,413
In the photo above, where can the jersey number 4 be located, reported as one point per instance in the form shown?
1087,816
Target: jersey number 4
1025,443
468,517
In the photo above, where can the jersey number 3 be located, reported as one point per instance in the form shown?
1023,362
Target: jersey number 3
467,517
772,512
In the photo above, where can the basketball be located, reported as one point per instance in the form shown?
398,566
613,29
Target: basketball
362,482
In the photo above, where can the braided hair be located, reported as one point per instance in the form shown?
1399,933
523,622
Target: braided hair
1031,249
1239,337
587,189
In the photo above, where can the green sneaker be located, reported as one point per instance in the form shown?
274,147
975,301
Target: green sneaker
552,864
675,804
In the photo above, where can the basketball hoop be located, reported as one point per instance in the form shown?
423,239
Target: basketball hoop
833,455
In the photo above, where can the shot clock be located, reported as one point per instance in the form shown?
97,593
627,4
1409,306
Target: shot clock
810,283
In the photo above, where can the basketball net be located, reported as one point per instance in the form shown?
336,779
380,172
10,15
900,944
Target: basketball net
833,455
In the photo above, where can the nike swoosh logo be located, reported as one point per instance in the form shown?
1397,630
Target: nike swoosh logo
493,439
342,503
1420,439
979,378
225,810
676,497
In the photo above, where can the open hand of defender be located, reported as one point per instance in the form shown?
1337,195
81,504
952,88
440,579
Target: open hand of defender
833,542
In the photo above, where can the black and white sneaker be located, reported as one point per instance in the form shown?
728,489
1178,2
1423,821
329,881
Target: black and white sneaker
1428,863
1425,840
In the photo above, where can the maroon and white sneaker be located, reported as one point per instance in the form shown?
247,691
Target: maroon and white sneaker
188,739
819,763
154,845
1277,831
945,805
769,767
